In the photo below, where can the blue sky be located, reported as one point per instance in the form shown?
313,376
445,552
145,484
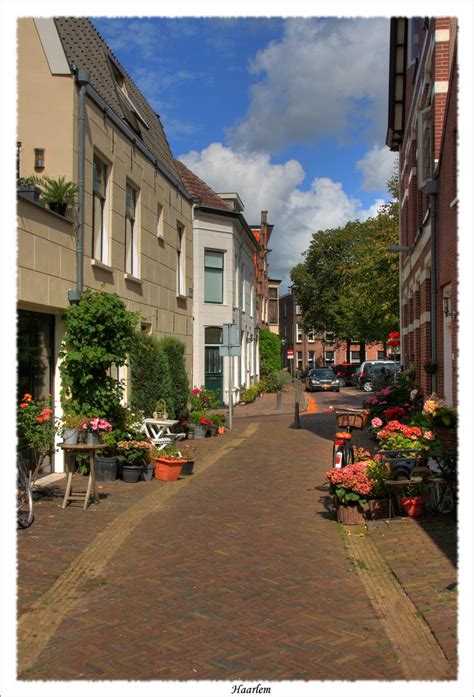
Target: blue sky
290,113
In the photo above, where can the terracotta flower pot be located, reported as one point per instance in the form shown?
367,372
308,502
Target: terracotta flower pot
413,505
168,470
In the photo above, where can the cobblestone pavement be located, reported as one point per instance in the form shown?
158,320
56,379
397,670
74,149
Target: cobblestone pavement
237,572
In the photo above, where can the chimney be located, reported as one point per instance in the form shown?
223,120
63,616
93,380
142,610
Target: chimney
263,217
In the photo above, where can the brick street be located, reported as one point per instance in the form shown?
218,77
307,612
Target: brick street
240,574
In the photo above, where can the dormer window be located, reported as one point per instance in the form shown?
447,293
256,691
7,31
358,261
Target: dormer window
131,113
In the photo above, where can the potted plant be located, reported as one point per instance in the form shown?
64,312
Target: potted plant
189,460
350,487
397,436
27,187
199,423
168,463
106,458
443,420
413,497
58,194
160,410
378,471
94,428
70,429
430,367
37,428
133,456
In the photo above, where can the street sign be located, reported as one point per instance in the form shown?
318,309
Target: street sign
290,354
230,335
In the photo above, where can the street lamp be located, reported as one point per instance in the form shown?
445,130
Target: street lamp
397,248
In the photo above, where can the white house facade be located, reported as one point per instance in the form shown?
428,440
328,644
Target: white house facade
224,290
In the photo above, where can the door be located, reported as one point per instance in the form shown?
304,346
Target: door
213,361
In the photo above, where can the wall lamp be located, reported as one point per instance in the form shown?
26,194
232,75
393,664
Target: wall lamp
39,158
397,248
448,312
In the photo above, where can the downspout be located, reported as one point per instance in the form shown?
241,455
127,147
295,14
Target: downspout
240,304
74,296
431,189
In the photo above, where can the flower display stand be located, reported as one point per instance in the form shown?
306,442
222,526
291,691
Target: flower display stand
350,514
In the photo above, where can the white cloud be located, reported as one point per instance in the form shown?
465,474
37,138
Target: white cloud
377,167
323,78
295,213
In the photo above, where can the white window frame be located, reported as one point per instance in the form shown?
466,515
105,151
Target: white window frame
355,360
252,301
298,333
311,336
330,362
242,277
180,260
160,231
100,247
132,256
298,309
424,142
299,359
311,360
330,337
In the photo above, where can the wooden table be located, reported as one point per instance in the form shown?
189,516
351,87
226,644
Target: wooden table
69,451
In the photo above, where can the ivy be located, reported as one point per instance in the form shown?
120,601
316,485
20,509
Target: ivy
99,333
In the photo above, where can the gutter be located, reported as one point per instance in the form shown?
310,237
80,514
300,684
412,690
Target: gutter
74,296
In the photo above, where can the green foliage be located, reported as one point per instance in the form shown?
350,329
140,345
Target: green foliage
202,399
270,352
276,381
348,282
133,452
58,191
174,350
379,473
249,394
37,428
32,180
150,375
100,333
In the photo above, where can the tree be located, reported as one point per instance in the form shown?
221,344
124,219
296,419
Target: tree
270,352
99,333
174,350
348,282
150,375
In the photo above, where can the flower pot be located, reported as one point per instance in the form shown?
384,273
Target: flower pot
413,505
168,470
213,429
92,438
190,435
187,467
200,431
448,439
221,430
60,208
71,436
350,514
160,415
131,473
377,509
147,473
105,468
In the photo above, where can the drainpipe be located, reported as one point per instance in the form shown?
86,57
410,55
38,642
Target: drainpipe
431,189
74,296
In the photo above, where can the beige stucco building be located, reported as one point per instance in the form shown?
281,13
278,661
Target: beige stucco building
80,116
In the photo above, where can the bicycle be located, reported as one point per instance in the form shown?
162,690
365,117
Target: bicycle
24,496
342,449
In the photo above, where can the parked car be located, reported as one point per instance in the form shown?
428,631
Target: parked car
322,379
371,372
346,372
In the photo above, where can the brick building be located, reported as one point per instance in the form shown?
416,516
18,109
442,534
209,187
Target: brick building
262,234
422,128
312,350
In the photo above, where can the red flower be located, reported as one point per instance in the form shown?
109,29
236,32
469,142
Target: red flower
23,405
39,419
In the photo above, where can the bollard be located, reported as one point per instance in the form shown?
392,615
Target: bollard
296,423
278,406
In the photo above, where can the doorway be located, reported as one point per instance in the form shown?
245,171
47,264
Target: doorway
213,362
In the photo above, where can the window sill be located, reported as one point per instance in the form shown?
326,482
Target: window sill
181,296
133,279
100,265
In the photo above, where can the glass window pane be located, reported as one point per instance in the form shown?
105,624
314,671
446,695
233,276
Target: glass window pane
130,202
213,335
100,176
214,259
213,286
98,227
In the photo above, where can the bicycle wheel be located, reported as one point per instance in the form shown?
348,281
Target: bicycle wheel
24,497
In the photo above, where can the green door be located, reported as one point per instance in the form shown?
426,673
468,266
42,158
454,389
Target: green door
212,360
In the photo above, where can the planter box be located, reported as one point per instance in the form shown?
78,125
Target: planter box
168,470
350,514
377,509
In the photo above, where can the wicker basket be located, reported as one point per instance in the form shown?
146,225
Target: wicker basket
352,419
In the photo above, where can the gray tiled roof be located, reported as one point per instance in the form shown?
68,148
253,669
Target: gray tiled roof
85,48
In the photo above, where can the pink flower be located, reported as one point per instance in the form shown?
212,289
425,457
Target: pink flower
376,422
196,390
429,435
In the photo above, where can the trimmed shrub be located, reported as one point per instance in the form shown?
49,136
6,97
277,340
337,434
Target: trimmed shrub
276,381
150,376
270,352
174,349
249,394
